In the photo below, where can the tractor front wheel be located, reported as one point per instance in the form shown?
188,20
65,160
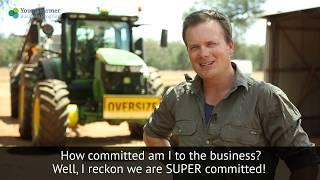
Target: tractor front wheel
155,84
136,130
49,117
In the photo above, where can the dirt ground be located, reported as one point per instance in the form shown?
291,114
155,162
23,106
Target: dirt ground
94,134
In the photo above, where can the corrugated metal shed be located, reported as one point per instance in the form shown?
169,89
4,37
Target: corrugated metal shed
292,61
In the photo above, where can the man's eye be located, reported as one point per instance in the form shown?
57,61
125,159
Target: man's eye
193,47
212,43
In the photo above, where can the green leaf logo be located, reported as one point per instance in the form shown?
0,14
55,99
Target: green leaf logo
14,13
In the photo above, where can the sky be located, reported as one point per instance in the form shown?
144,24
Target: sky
158,14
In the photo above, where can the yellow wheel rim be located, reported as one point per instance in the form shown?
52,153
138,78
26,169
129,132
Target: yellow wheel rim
36,116
21,102
73,116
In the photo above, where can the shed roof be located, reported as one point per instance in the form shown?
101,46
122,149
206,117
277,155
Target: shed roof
312,9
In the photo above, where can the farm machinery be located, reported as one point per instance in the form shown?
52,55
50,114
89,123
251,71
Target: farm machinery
92,71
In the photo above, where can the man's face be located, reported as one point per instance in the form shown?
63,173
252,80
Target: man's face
208,50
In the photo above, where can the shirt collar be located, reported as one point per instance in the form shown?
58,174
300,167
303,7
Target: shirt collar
240,80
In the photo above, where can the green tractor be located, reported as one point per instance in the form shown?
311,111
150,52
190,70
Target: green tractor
96,72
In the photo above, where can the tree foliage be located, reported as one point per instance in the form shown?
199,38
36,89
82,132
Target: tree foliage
255,53
172,57
240,12
175,56
8,49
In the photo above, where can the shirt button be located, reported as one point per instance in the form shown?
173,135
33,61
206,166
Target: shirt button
253,132
207,142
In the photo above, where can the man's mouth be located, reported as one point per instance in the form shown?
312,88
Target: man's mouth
206,63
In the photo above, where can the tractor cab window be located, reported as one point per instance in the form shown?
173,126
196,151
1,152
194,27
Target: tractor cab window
90,35
101,34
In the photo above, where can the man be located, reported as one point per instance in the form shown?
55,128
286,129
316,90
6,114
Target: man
221,106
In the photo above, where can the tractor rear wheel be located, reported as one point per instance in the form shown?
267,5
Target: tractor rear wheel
14,90
49,117
27,82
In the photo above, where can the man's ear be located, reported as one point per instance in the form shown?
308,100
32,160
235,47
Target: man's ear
231,46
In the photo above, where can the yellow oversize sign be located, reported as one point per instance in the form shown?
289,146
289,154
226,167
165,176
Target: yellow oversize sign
129,106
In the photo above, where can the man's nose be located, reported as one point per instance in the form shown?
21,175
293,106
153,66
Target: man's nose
204,52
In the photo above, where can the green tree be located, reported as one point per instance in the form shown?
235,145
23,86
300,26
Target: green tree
172,57
255,53
8,49
240,12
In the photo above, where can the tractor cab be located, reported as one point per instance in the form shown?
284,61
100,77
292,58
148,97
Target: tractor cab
97,56
84,34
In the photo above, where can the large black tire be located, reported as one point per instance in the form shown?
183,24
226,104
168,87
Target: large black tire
14,90
136,130
155,87
155,84
28,79
50,127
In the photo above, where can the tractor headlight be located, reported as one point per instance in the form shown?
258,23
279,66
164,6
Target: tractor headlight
119,68
112,68
126,80
135,68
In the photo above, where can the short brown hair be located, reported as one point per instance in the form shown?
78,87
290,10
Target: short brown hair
205,15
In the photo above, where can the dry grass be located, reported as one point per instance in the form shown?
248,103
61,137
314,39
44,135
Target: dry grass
4,73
